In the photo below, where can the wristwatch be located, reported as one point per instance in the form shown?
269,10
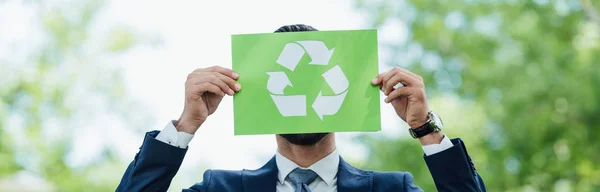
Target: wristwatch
433,124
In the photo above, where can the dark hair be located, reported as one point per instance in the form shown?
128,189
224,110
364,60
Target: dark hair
295,28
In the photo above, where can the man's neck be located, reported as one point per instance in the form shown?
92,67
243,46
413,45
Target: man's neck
305,156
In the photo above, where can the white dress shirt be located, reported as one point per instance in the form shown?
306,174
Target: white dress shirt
171,136
326,168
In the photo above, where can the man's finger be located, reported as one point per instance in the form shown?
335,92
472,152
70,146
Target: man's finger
228,72
377,80
392,82
400,92
380,78
217,81
407,79
206,87
232,83
384,79
225,71
413,75
213,79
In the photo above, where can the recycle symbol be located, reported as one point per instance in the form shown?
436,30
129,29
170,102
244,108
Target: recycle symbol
295,105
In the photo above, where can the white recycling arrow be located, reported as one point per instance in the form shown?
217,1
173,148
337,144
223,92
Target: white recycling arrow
328,105
336,79
290,105
318,51
277,82
290,56
295,105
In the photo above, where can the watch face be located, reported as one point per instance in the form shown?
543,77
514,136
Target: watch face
436,120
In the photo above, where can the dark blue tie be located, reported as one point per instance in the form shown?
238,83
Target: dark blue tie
301,178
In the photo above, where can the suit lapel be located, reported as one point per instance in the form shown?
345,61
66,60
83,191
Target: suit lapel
263,179
350,179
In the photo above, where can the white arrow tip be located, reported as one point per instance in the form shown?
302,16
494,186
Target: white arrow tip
316,106
320,116
277,82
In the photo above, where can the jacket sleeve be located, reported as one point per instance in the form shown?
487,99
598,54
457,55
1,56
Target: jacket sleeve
202,186
453,170
153,167
409,184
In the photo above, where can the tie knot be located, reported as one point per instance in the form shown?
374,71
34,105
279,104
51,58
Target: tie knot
302,176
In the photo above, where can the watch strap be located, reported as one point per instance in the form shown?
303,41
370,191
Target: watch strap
422,130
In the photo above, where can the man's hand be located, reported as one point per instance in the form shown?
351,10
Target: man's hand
204,90
408,100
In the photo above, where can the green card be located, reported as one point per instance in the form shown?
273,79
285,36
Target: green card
306,82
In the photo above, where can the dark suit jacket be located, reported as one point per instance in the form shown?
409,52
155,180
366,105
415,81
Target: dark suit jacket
156,164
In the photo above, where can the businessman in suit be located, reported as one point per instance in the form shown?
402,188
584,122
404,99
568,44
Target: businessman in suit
303,162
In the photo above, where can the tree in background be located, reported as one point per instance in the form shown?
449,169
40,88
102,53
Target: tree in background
56,80
517,80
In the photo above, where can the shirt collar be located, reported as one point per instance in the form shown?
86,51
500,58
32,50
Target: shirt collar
326,168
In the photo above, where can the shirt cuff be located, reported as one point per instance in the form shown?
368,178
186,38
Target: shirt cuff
171,136
436,148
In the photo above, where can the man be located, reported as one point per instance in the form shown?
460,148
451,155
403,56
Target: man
303,162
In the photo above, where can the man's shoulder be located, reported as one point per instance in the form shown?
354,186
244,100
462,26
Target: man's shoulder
382,174
221,180
389,179
390,175
394,180
236,180
222,174
381,180
226,176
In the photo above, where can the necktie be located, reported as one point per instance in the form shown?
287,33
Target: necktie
301,178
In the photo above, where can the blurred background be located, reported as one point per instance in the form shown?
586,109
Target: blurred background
82,80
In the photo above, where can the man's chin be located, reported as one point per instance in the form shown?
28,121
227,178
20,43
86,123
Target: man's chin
305,139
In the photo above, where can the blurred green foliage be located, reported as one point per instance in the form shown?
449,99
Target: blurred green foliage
51,84
517,80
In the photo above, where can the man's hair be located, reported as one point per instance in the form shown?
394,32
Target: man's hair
305,139
295,28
